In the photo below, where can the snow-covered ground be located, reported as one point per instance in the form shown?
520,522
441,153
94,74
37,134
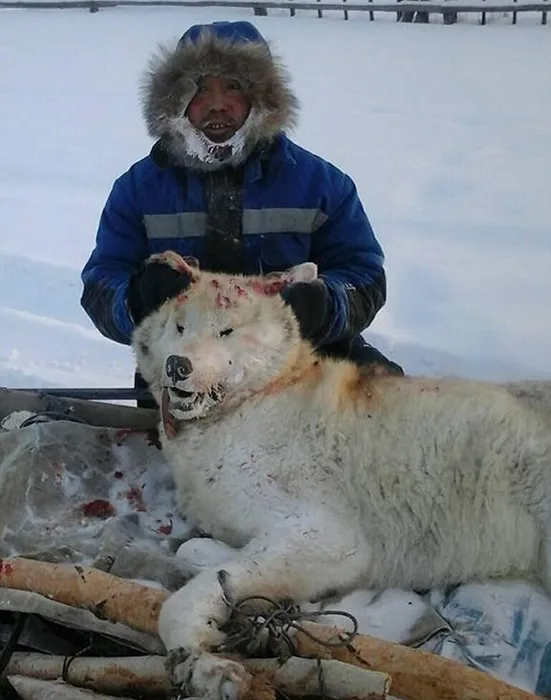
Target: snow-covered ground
446,131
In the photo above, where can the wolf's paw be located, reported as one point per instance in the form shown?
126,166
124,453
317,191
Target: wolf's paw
191,618
205,675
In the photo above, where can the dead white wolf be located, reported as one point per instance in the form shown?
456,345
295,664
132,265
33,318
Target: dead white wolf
325,477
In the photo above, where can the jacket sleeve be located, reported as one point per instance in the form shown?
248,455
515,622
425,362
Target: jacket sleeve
121,245
351,263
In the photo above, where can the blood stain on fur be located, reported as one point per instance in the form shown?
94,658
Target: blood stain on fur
268,289
222,302
99,508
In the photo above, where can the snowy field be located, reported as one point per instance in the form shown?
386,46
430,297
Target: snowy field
446,131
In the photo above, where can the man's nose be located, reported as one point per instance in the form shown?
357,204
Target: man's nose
218,99
178,368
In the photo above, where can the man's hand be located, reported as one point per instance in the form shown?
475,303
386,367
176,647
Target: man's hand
151,286
310,302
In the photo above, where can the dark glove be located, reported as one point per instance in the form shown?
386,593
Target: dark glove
310,303
151,286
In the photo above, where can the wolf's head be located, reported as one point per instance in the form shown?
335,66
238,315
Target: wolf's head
225,337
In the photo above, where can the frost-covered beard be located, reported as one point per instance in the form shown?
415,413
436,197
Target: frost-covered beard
195,150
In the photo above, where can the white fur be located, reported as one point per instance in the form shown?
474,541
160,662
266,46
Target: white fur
197,146
328,479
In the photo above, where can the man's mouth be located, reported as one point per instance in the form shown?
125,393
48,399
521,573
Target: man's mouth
219,132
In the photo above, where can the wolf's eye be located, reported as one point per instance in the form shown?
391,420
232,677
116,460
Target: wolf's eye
226,331
180,328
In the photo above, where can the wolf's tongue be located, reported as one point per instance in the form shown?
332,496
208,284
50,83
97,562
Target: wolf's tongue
170,423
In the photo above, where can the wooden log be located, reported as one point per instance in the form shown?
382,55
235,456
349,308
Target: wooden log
108,597
147,675
36,689
77,618
416,674
29,688
324,677
91,412
135,676
141,675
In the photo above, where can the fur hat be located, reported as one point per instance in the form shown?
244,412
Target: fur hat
234,50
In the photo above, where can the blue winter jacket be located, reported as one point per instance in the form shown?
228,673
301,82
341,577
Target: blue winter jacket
296,208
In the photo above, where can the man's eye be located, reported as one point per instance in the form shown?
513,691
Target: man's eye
226,331
180,328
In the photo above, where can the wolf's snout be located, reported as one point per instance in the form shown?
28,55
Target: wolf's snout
177,368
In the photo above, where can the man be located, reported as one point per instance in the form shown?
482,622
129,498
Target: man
225,185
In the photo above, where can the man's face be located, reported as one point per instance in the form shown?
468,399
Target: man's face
219,108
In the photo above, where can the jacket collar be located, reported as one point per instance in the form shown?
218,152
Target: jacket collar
256,166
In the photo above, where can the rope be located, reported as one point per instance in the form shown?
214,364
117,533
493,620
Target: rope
261,626
248,631
68,660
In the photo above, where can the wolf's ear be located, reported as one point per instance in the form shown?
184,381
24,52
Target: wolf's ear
191,261
274,282
305,272
187,266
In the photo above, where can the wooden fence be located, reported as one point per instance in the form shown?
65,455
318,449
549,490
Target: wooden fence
405,10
